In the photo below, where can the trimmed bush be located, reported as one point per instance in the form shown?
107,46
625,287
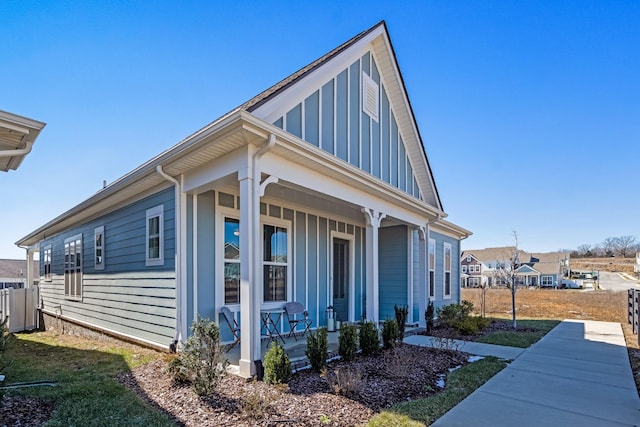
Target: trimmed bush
347,342
369,339
317,349
458,317
202,361
401,313
277,368
429,316
390,333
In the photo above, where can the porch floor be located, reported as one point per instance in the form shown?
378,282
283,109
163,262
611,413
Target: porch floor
294,349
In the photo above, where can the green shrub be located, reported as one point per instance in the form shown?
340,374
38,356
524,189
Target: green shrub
5,336
317,349
390,333
429,316
202,360
369,339
347,342
401,313
458,317
277,368
449,314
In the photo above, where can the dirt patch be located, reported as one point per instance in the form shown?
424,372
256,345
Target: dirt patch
309,399
612,265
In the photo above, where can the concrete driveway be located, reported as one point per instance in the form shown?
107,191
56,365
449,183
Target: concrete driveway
577,375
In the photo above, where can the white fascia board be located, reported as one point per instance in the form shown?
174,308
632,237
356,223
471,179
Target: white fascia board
314,80
286,170
391,79
334,164
445,227
142,172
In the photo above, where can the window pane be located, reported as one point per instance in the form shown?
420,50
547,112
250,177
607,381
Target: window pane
154,226
154,247
447,283
231,238
231,282
275,244
275,283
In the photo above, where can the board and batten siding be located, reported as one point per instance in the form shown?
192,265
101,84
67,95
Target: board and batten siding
440,240
393,264
310,252
332,118
126,297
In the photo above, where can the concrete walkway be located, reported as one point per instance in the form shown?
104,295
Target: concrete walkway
480,349
577,375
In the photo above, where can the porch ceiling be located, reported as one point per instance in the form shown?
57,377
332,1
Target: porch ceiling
313,200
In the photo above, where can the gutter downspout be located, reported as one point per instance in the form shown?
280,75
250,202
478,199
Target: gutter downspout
20,152
178,266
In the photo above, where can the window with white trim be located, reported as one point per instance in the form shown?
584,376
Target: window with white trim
447,270
275,263
546,280
155,236
73,267
464,268
477,268
432,268
46,263
98,248
231,260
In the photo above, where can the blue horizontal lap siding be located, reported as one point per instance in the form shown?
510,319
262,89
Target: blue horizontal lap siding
126,297
393,269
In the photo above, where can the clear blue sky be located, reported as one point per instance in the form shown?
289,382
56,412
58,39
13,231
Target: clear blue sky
529,111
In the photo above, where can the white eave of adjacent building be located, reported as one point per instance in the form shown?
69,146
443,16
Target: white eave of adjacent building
221,137
17,136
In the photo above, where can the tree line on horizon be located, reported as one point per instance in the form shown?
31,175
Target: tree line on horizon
623,246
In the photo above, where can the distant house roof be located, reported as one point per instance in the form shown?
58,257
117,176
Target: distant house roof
17,136
16,268
542,262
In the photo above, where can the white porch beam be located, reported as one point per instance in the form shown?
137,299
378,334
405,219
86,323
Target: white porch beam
373,219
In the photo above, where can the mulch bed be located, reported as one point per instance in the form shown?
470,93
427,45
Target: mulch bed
310,399
21,411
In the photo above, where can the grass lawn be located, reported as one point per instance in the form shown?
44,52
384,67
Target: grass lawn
87,393
535,329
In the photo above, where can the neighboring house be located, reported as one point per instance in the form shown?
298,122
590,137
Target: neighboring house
636,266
13,273
17,136
317,190
480,266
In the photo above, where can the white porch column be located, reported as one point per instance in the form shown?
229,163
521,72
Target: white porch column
248,308
29,268
423,277
373,218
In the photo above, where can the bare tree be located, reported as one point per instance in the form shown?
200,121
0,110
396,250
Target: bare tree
608,245
624,245
505,273
584,250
